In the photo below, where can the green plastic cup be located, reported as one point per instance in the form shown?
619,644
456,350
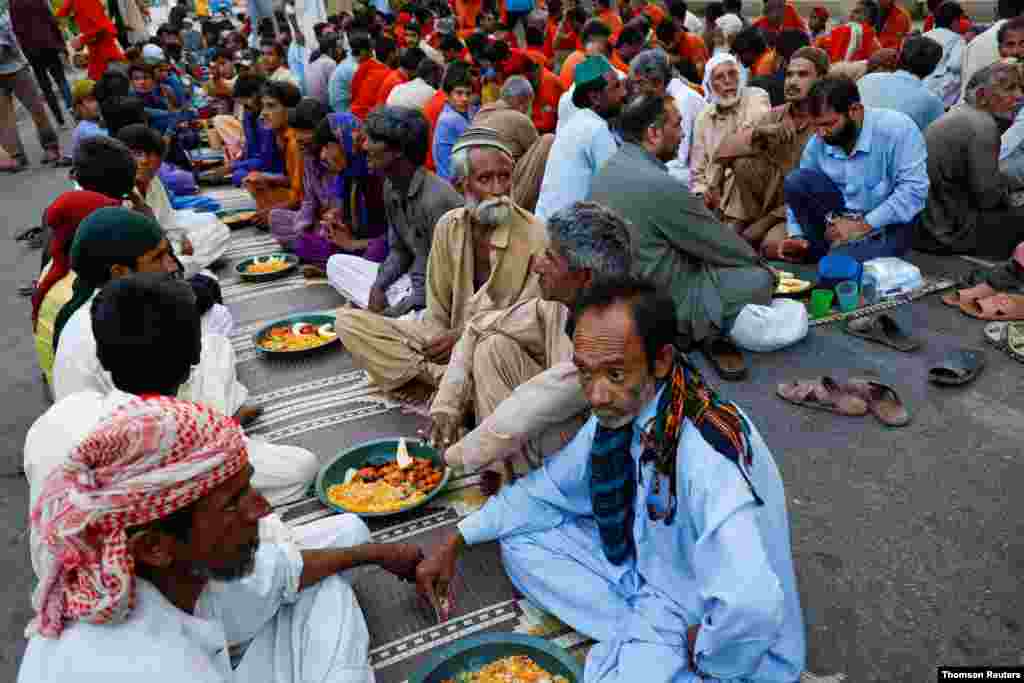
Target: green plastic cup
821,302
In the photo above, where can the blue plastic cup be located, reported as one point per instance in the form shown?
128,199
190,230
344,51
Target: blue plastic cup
849,296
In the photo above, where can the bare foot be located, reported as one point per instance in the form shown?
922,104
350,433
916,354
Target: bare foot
246,415
311,272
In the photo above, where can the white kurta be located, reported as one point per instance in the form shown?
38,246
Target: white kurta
207,233
317,634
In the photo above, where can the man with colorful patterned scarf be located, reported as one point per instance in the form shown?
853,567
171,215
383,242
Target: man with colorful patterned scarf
151,565
661,530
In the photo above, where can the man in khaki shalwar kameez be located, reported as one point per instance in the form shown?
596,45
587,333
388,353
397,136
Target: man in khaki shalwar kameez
479,261
761,155
514,366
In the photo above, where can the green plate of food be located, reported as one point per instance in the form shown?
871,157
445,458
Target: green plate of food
269,267
296,334
493,657
382,477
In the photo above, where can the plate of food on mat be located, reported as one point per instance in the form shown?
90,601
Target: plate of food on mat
790,284
499,658
382,477
238,219
296,334
269,267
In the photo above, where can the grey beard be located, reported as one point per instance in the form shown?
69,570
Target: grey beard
729,103
241,569
489,212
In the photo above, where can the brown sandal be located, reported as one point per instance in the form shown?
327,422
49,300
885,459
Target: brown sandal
823,394
996,307
883,401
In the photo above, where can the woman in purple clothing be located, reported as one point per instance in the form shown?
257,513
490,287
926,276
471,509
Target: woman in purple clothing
343,208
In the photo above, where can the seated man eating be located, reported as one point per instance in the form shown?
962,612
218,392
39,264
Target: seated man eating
151,563
862,180
661,530
479,261
513,368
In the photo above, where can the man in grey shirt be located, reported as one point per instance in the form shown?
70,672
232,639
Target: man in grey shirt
414,198
968,210
16,81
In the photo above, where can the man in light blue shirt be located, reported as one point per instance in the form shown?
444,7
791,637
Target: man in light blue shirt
339,89
905,89
861,183
669,545
585,142
455,117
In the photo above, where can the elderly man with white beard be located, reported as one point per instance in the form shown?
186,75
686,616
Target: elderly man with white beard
479,261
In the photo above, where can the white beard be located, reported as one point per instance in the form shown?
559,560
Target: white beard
489,212
728,102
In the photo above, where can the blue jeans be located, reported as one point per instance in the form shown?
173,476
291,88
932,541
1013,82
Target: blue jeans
811,195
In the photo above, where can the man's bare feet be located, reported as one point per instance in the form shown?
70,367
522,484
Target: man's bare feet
247,414
311,272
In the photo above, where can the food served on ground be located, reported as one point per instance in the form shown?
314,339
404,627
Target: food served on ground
515,669
270,264
386,488
792,286
297,337
241,217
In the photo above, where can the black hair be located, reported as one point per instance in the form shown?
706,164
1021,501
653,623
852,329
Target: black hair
167,28
749,40
451,42
733,7
323,135
307,114
121,111
947,13
666,33
318,29
105,165
577,15
284,92
653,313
144,316
595,28
835,92
141,137
276,46
677,9
112,84
457,75
871,10
411,58
430,71
920,55
329,45
359,42
789,41
477,44
384,48
498,52
403,129
249,84
140,66
534,36
639,115
1014,24
712,11
581,95
773,85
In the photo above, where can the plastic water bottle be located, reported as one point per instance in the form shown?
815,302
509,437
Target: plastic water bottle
869,288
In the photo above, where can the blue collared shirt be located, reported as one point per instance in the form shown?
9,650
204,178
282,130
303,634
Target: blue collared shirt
450,125
339,89
886,177
901,91
724,562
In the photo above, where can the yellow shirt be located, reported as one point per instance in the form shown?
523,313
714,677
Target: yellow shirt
54,300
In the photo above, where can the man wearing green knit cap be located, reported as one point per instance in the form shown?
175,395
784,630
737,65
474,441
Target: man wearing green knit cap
115,242
585,142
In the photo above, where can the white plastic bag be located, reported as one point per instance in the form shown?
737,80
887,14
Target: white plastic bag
895,276
770,328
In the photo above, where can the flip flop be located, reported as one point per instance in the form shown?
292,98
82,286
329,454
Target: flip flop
28,233
883,401
995,334
958,367
997,307
956,299
823,394
725,358
883,329
1015,340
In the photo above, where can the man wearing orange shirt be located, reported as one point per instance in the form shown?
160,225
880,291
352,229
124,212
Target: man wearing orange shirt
432,112
779,16
547,90
653,12
96,32
535,45
752,49
370,73
893,24
562,34
406,71
855,40
596,38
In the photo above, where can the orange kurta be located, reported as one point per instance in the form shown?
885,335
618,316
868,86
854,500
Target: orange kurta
545,102
432,112
393,79
366,85
896,28
766,64
691,47
962,25
791,20
97,31
612,20
837,41
570,41
654,13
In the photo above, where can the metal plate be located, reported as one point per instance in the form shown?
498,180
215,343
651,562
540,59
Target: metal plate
316,319
292,259
475,652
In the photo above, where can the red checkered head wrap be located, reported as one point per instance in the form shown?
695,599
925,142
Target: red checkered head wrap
147,460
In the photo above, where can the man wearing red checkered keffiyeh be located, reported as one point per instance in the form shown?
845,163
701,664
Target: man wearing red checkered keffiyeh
153,564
